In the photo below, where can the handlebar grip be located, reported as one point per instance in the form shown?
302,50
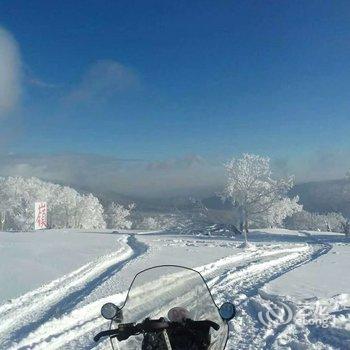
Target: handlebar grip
214,325
108,333
124,331
205,323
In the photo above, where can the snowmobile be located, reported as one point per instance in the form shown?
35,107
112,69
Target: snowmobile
167,307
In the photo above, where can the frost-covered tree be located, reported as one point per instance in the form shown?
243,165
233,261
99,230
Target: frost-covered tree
335,222
66,207
63,207
157,222
89,213
18,195
2,219
3,208
150,223
304,220
255,194
283,208
118,216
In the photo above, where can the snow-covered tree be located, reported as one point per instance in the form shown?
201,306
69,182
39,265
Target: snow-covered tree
304,220
2,219
150,223
18,196
156,222
89,213
3,208
63,207
118,216
283,208
66,207
255,194
167,221
335,222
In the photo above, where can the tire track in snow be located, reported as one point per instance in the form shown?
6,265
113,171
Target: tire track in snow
255,335
62,297
37,337
324,248
59,332
44,291
60,327
245,280
33,302
76,328
66,334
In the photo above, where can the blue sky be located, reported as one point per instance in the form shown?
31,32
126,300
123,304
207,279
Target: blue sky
158,80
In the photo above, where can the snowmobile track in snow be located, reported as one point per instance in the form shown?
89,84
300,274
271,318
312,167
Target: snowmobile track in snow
64,294
58,324
261,337
323,248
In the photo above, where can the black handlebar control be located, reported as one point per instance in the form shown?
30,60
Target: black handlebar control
126,330
109,333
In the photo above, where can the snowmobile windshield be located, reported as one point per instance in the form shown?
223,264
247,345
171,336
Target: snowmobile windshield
156,291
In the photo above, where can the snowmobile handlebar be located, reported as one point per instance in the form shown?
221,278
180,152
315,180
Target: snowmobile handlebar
126,330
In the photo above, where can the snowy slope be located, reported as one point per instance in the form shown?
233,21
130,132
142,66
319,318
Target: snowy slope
30,259
64,313
319,294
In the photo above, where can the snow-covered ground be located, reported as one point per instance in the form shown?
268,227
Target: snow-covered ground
53,283
30,259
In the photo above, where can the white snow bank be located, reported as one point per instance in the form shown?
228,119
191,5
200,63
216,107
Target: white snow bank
29,259
322,278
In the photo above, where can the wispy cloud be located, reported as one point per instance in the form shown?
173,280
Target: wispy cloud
40,83
102,80
10,73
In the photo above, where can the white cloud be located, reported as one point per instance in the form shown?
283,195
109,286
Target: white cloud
102,80
10,72
40,83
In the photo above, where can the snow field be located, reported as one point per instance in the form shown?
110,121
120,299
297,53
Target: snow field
64,314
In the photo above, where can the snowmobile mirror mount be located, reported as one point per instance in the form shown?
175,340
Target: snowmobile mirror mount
227,311
111,311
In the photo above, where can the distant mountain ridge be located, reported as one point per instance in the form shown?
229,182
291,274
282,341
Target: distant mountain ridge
316,196
324,196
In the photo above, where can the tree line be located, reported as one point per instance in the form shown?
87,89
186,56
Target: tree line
67,207
256,196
